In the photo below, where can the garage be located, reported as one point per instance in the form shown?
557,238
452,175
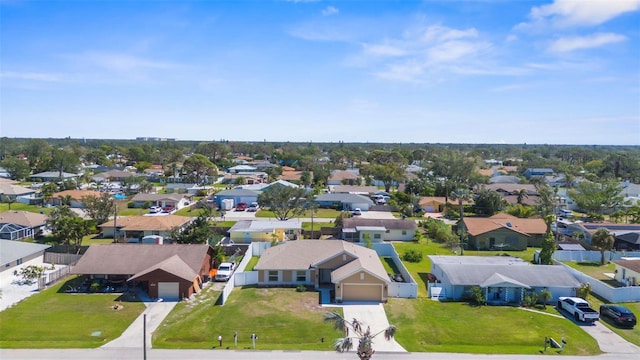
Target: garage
362,292
169,291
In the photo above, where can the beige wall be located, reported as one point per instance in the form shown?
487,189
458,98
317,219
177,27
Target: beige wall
335,262
362,277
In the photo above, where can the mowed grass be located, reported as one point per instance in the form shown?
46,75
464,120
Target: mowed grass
595,270
431,326
631,335
281,318
58,320
16,206
319,213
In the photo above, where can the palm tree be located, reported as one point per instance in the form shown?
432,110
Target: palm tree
522,194
603,241
65,200
365,337
461,195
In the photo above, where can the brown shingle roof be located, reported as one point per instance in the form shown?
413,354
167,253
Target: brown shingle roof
477,226
142,223
130,259
633,265
343,175
23,218
173,265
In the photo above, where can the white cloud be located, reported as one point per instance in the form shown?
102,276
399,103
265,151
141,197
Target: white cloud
330,10
121,62
568,13
34,76
383,50
567,44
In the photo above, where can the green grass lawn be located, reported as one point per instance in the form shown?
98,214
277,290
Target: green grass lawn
57,320
595,270
431,326
389,266
281,318
94,239
24,207
631,335
252,263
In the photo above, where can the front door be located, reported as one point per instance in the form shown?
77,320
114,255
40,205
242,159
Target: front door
325,276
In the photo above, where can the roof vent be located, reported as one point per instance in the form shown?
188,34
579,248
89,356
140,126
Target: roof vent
508,224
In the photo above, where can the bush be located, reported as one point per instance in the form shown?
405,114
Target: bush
301,288
130,205
477,296
413,256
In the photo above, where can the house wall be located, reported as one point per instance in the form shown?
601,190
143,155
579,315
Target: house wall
515,240
286,278
336,261
18,262
535,240
246,237
400,235
627,276
372,236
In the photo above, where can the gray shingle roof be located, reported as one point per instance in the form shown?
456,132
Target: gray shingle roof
345,198
11,250
391,224
237,192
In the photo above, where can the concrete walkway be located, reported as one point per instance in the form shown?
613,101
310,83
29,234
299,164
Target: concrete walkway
132,336
372,316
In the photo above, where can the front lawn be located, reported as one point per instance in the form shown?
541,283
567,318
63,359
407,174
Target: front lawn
319,213
16,206
282,319
431,326
53,319
631,335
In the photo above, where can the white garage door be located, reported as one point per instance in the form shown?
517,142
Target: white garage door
357,292
169,291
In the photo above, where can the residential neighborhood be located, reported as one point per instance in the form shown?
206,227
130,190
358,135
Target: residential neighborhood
415,242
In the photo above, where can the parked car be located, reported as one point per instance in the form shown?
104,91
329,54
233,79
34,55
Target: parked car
155,209
579,308
241,206
253,207
225,270
357,211
620,315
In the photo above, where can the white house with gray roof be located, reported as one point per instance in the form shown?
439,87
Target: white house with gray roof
345,202
503,279
15,253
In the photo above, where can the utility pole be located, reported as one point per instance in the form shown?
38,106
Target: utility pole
115,219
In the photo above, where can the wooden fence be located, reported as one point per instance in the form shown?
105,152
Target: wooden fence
53,277
61,259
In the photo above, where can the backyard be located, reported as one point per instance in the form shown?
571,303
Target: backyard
595,270
55,319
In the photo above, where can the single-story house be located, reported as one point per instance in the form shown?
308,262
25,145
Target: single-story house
169,272
503,279
348,271
137,227
627,271
16,253
627,241
248,231
165,201
587,229
249,178
17,225
13,191
354,189
114,175
75,196
435,204
345,202
503,232
53,176
344,177
241,168
237,195
294,175
279,183
537,172
379,230
191,189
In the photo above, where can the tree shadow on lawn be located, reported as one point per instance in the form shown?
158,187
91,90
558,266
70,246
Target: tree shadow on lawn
82,285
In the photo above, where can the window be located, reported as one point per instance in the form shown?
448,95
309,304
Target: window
273,275
301,276
404,232
19,262
377,236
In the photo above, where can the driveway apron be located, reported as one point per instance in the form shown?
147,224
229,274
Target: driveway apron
132,336
372,316
609,341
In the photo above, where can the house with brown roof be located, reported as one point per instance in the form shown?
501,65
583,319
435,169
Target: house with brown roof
292,175
169,272
165,201
18,225
343,177
131,228
75,197
114,175
436,204
503,232
355,229
349,272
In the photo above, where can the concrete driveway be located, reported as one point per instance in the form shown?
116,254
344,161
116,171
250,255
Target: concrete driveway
372,316
377,215
132,336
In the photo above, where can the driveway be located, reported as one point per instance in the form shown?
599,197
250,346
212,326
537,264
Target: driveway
377,215
132,336
608,341
373,316
13,291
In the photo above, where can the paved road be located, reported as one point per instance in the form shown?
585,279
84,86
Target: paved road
156,354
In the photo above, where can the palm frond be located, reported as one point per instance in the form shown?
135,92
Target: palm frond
343,344
390,332
335,318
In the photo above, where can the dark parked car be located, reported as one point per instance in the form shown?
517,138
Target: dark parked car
620,315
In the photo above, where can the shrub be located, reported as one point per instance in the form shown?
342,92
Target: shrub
530,300
477,296
130,205
301,288
412,255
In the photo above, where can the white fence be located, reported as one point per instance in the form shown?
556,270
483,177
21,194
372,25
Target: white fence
407,289
246,278
591,256
611,294
240,277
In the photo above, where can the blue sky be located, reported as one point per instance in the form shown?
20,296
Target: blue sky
486,71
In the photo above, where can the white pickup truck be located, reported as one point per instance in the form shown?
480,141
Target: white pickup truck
225,270
579,308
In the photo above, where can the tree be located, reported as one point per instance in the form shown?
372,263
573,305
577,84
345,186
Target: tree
488,202
521,211
544,297
67,226
47,191
595,197
30,274
17,169
285,201
461,195
548,247
364,336
603,241
7,200
198,166
99,208
196,232
522,194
